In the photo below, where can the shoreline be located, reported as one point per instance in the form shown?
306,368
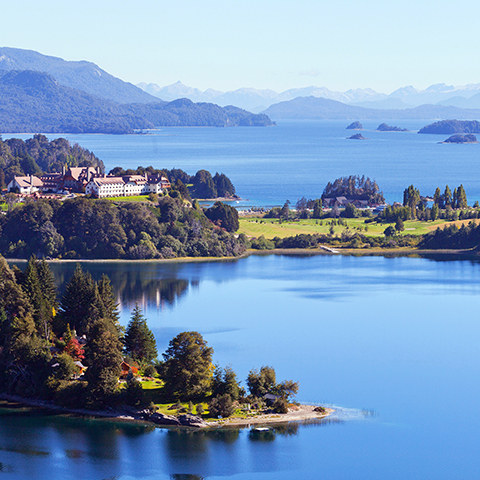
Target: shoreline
361,252
297,414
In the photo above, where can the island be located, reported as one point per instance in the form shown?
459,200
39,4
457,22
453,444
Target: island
458,138
357,136
383,127
450,127
355,126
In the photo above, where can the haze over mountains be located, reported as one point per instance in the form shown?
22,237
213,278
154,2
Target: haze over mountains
39,93
466,96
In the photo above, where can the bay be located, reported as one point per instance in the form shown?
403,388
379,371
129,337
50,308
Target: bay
298,158
392,343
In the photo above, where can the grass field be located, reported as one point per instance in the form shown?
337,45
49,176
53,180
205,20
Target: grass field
136,198
270,227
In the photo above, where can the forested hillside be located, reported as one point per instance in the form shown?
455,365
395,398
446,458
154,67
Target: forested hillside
38,155
33,101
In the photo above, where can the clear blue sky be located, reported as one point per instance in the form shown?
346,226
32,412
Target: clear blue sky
276,44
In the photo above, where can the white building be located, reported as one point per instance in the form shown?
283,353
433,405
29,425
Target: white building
26,185
126,186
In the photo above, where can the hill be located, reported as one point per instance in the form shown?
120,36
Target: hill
32,101
82,75
325,109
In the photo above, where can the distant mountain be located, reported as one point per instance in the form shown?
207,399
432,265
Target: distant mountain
321,108
258,100
33,101
82,75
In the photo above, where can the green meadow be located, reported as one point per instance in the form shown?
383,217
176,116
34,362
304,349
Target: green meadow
272,227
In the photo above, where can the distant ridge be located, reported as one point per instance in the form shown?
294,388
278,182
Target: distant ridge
81,75
34,102
324,109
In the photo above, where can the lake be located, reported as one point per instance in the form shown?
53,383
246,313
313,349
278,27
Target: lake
392,343
269,165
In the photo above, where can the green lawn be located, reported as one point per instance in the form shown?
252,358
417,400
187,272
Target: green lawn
270,227
136,198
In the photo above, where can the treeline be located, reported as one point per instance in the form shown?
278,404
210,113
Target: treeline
47,345
89,228
202,184
354,187
38,155
453,237
349,238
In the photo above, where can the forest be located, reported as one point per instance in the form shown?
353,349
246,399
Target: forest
70,349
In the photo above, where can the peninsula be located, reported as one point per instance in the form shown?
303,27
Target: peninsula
450,127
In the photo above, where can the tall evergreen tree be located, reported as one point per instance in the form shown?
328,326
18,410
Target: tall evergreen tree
107,304
461,197
447,197
78,303
139,340
104,358
437,198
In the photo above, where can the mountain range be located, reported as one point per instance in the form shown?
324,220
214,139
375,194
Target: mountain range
46,94
324,109
466,96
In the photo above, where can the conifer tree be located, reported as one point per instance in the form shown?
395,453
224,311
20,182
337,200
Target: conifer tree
461,197
104,357
447,197
139,340
78,303
108,306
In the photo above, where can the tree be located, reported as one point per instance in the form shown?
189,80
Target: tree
447,197
187,368
389,231
411,198
225,381
317,208
437,198
434,212
399,226
461,197
224,215
204,185
221,406
285,211
261,382
139,340
350,211
104,358
78,303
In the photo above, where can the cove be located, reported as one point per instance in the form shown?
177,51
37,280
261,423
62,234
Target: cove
391,342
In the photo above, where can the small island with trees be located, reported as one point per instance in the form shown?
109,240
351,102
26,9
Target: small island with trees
357,136
383,127
457,138
355,126
72,354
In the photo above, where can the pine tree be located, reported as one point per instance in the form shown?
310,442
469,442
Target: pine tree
447,197
104,358
461,197
437,198
78,303
139,340
33,288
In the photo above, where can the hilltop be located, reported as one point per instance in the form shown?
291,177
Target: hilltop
32,101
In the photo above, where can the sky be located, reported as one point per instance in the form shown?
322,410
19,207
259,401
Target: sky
262,44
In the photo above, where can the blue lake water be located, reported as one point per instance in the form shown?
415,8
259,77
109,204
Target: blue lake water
391,342
296,159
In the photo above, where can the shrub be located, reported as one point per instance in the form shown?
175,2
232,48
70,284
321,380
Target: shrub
221,406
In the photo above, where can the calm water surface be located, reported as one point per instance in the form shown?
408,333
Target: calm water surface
296,159
391,342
